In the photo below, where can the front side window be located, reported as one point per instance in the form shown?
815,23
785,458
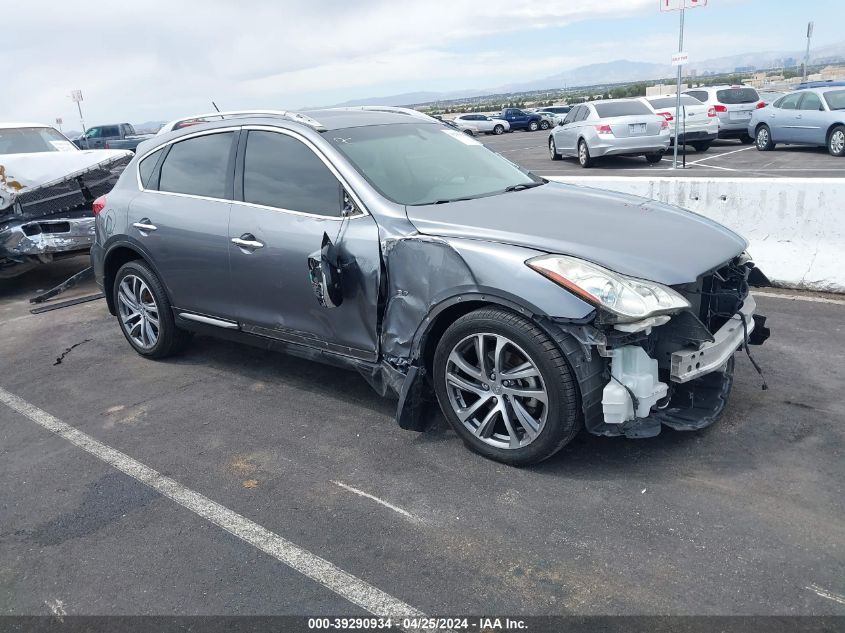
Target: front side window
423,163
282,172
811,101
94,132
198,166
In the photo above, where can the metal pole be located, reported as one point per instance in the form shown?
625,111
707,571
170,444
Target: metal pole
81,120
678,90
807,54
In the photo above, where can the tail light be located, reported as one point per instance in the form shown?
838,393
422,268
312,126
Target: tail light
720,108
664,124
711,111
106,145
603,129
667,115
761,104
98,205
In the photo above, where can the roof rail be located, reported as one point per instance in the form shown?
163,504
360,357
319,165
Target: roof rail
232,114
395,109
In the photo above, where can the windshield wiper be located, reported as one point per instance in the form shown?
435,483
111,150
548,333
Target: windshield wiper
524,185
448,200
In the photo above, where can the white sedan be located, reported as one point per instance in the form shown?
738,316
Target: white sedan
482,123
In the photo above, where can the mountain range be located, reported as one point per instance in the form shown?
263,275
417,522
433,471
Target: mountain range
614,72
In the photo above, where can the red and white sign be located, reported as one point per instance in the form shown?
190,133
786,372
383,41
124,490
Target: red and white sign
76,96
680,59
677,5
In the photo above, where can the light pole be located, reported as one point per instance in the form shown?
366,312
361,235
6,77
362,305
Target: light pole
807,54
678,88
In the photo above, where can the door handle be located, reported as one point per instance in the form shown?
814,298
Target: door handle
145,225
247,242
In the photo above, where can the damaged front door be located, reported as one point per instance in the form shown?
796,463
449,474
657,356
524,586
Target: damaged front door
287,202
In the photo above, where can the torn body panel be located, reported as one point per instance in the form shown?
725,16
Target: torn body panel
46,214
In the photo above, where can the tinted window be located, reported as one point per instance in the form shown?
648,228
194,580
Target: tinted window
621,108
669,102
571,116
733,96
790,102
282,172
146,168
583,113
94,132
198,166
811,101
835,99
700,95
111,130
559,109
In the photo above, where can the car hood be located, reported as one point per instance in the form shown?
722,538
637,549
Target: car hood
631,235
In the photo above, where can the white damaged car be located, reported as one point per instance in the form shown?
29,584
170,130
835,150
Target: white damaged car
47,188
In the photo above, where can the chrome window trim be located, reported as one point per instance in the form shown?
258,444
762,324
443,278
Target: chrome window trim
201,318
321,155
171,142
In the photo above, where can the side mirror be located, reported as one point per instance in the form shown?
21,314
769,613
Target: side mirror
324,273
560,124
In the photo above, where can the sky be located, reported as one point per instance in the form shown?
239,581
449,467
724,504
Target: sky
159,60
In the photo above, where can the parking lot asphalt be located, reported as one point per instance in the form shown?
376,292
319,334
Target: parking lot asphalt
743,518
725,159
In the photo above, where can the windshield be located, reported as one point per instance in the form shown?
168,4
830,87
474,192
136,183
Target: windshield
31,140
621,108
733,96
424,163
835,99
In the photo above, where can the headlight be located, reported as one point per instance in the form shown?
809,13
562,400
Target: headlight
626,298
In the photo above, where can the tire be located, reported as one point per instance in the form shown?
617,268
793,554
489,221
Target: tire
763,141
552,149
584,157
499,129
655,158
136,284
533,126
544,125
702,146
836,141
469,132
746,139
485,429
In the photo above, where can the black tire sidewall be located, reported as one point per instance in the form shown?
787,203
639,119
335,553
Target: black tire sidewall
838,128
768,144
168,336
563,418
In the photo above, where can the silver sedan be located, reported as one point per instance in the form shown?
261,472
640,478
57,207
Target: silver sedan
614,127
481,123
815,116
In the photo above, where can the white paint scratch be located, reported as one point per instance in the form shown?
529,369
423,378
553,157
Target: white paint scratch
57,608
310,565
386,504
824,593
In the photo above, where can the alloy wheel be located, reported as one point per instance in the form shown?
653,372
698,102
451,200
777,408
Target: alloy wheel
762,138
552,151
837,142
496,390
582,153
139,313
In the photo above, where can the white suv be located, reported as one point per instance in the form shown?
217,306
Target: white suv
733,105
698,124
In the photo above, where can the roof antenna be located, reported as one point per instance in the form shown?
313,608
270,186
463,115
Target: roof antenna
215,106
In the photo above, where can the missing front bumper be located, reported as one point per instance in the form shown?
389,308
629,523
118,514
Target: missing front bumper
688,365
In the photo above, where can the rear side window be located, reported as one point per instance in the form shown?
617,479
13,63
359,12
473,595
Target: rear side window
811,101
583,113
789,102
835,99
700,95
621,108
198,166
147,167
734,96
111,131
282,172
670,102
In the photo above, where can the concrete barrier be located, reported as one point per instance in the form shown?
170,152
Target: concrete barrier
795,226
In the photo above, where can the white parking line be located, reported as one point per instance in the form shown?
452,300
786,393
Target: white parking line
824,593
791,297
310,565
386,504
736,151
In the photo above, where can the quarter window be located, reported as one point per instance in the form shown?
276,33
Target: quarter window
282,172
146,168
198,166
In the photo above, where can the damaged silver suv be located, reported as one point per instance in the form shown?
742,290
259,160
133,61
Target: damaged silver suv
381,240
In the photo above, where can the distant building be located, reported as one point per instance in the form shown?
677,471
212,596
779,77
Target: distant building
745,69
790,62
